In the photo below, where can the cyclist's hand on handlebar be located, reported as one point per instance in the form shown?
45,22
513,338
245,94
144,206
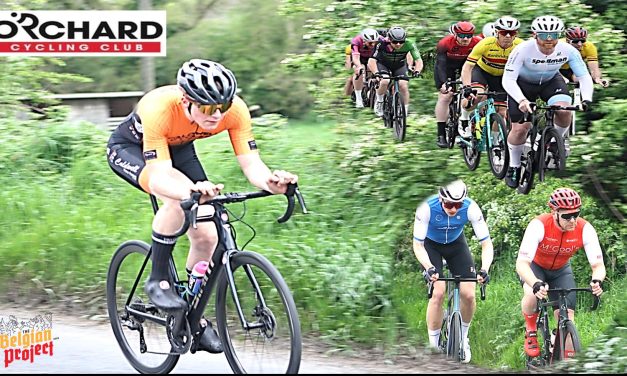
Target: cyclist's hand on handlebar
278,181
467,91
431,275
207,188
357,70
586,105
540,289
597,288
445,89
603,82
525,106
483,277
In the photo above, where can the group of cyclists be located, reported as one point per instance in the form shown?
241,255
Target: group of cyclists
153,150
549,241
498,59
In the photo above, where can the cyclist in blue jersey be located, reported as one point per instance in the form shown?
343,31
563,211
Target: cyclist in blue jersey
531,72
438,233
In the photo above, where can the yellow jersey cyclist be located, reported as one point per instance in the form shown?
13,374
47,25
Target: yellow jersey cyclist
532,72
153,150
486,63
391,55
362,48
438,234
543,261
577,37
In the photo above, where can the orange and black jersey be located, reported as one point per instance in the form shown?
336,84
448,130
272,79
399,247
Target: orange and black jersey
159,121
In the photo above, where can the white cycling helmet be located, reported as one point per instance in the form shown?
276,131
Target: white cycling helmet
488,30
454,191
507,23
370,35
547,24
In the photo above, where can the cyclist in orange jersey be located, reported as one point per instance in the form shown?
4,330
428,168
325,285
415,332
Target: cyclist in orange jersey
550,240
153,150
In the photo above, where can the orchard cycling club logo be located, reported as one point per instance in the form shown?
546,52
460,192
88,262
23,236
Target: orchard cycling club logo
83,33
26,340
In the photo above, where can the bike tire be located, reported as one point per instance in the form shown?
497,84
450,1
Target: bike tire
527,173
454,344
551,134
400,119
571,345
372,96
442,341
283,336
387,111
471,154
498,152
544,341
116,314
451,125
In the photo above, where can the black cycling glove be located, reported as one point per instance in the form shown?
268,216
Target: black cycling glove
484,275
586,105
536,286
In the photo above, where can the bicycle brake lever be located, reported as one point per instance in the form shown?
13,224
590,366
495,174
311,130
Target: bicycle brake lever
301,201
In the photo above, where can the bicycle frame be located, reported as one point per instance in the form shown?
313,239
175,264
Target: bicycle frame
453,307
220,261
483,111
543,320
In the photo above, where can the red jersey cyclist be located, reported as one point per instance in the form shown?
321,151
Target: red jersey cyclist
451,53
550,240
153,150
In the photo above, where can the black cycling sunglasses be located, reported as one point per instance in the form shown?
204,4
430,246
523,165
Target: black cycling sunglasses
397,42
569,216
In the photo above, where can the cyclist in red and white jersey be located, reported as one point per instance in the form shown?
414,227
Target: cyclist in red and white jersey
550,240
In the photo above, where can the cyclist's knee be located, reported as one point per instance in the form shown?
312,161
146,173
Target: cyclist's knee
203,237
437,297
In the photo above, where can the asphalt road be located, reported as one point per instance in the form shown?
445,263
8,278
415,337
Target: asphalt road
89,346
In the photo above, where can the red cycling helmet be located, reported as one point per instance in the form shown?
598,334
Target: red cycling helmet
564,198
463,27
576,32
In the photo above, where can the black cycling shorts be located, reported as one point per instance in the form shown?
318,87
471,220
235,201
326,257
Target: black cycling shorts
562,278
481,78
457,256
394,70
555,87
126,159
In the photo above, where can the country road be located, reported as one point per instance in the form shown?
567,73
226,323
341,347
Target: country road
89,346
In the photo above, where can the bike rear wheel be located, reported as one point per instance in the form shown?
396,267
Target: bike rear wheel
272,342
400,125
454,344
471,153
143,341
571,346
527,172
552,153
498,152
451,124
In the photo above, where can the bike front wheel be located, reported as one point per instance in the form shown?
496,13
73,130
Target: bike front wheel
454,343
400,118
498,152
527,172
552,153
268,339
142,338
571,345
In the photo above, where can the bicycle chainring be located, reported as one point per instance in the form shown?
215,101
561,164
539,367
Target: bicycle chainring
181,341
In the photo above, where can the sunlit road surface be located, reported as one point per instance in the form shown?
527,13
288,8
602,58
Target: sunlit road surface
84,346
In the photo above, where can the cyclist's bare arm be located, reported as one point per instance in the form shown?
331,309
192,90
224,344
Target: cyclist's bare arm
259,175
166,181
528,246
595,72
467,73
421,223
372,65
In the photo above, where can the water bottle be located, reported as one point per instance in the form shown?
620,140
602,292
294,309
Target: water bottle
196,277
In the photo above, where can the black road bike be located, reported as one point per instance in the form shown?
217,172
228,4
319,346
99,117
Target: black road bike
394,115
450,341
255,312
563,342
454,111
544,149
